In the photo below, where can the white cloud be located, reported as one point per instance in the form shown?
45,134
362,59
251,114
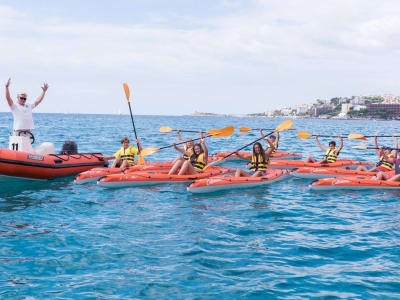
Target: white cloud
263,47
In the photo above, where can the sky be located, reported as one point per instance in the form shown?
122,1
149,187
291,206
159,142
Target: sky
181,56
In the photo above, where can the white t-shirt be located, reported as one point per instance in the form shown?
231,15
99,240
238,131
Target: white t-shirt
22,116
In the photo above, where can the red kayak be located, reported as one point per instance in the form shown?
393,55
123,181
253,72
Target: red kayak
95,174
156,177
318,173
228,182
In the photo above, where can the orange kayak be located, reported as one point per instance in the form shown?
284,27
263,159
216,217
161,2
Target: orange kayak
96,173
353,183
46,166
219,183
276,155
295,164
142,178
318,173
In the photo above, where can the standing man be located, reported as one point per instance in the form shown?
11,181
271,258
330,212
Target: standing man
22,113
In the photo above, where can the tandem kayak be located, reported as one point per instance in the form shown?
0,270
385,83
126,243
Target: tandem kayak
220,183
276,155
143,178
38,166
354,183
96,173
295,164
318,173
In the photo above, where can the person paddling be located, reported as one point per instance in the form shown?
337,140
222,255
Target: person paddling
187,152
331,153
259,159
125,157
22,112
386,157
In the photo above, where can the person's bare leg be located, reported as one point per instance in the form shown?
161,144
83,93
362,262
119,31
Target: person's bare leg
178,164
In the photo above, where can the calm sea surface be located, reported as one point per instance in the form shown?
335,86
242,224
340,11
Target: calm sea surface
64,241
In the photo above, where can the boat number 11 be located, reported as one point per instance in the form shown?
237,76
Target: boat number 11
15,146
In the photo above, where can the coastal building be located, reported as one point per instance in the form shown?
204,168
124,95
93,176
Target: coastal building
319,110
345,109
302,109
384,110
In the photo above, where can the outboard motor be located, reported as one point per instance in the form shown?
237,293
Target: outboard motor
69,147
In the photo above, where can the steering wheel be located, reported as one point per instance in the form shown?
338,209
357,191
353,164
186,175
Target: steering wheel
31,136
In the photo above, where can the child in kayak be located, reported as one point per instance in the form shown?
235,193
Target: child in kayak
125,157
187,152
331,153
197,161
275,140
259,159
386,157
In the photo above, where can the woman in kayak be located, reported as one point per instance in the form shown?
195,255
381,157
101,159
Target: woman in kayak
187,151
390,176
197,161
259,159
331,153
386,157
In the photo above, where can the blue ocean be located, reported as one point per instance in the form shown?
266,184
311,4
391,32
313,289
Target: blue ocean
59,240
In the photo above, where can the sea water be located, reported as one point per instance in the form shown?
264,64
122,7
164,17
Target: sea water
64,241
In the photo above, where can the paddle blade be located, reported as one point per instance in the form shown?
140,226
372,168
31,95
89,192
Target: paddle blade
127,92
284,125
226,131
148,151
244,129
141,160
165,129
303,134
360,147
357,136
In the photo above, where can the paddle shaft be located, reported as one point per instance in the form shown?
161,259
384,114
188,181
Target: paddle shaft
370,136
188,131
133,123
246,145
269,129
183,142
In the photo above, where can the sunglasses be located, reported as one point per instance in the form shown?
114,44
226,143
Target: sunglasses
22,98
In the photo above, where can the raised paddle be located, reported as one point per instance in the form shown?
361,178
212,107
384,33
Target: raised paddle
223,132
248,129
306,135
169,129
357,136
128,94
283,126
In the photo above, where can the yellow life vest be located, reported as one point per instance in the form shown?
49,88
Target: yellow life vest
384,163
276,147
186,157
331,155
199,163
258,164
127,154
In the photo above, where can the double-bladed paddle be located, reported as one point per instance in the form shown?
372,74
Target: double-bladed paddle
127,95
283,126
169,129
306,135
223,132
